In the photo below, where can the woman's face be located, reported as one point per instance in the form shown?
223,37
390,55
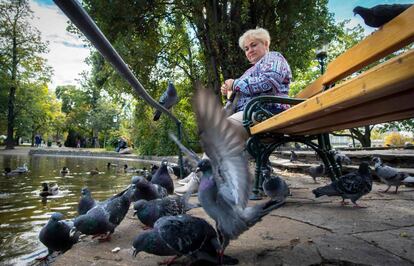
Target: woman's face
255,49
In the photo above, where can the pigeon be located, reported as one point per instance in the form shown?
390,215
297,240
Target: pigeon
86,201
167,99
340,158
316,171
380,14
105,216
162,177
55,235
408,181
274,186
182,235
350,186
293,156
154,169
146,190
388,175
187,168
148,212
226,181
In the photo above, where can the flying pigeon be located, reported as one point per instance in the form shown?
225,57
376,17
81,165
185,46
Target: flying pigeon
350,186
182,235
146,190
316,171
293,156
55,235
148,212
388,175
105,216
380,14
86,201
167,99
274,186
162,177
226,181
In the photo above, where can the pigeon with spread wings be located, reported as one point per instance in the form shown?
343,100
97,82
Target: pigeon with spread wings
226,181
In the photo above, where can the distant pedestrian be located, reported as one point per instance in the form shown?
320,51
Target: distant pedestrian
38,140
78,143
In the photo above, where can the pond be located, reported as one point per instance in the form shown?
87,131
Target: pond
23,212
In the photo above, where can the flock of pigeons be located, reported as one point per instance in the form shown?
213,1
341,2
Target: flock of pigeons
223,192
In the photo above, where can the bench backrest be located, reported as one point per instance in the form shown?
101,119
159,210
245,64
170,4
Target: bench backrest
391,37
381,94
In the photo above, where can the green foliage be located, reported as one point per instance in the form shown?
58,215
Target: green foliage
21,63
404,125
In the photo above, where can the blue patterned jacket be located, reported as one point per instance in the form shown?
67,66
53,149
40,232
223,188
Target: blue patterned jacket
271,75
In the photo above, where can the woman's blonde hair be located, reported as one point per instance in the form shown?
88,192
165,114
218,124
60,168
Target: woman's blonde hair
259,34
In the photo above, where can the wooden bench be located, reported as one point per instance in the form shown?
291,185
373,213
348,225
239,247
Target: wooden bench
382,93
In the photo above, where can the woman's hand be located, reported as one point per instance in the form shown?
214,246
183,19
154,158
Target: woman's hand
227,88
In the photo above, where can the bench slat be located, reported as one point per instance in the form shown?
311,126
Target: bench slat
390,108
394,76
391,37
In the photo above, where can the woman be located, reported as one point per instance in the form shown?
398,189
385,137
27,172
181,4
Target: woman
269,75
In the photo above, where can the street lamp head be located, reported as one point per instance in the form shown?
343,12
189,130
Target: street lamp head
322,52
321,55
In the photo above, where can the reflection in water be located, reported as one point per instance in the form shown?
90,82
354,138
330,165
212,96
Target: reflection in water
23,212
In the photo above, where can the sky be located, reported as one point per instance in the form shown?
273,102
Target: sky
67,53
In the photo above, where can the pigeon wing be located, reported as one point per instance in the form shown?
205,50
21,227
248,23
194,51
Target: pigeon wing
224,145
182,233
192,155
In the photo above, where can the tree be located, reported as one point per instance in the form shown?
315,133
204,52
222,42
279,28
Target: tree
178,40
20,46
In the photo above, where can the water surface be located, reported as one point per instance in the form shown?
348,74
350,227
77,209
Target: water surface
23,212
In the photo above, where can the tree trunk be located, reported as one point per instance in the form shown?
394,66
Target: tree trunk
11,100
365,137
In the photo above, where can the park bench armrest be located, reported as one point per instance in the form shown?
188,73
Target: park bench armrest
255,110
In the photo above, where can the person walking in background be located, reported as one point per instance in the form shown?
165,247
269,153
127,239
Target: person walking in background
38,140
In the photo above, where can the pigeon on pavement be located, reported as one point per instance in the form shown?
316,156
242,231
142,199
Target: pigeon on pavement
380,14
340,158
316,171
226,181
162,177
55,235
388,175
86,201
350,186
274,186
146,190
105,216
148,212
167,99
182,235
293,156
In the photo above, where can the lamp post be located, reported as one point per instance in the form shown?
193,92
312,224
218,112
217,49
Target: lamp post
321,55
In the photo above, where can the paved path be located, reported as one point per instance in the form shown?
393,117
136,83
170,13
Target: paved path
306,231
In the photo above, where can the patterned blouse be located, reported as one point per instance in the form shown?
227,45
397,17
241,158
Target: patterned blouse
271,75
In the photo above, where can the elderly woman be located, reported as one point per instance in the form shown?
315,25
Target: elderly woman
269,75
